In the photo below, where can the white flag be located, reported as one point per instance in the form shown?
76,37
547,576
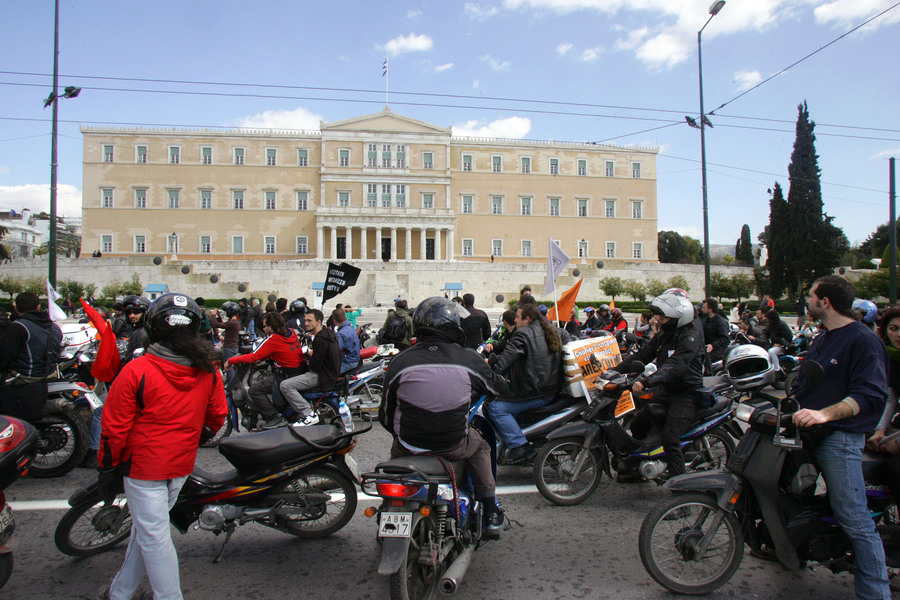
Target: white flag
56,313
556,262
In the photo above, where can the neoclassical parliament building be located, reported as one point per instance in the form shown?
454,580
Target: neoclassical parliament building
378,187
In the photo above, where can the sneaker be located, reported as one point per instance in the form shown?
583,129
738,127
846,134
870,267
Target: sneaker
494,525
274,423
310,419
520,454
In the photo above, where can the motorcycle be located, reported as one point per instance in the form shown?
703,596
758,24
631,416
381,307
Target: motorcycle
568,468
299,480
429,525
766,497
18,443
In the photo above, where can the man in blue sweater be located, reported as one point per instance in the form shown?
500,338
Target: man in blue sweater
847,405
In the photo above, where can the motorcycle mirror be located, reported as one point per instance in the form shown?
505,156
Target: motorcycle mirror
630,338
813,371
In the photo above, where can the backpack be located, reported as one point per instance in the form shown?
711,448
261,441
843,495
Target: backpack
395,330
205,324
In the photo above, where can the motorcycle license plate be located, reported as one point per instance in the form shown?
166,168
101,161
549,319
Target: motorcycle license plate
6,518
351,464
625,404
395,524
94,400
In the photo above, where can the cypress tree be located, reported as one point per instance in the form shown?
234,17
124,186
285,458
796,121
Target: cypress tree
744,252
777,239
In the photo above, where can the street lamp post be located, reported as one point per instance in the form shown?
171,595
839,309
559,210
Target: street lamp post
713,11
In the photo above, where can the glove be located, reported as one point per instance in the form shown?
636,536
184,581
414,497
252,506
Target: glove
206,434
610,375
109,484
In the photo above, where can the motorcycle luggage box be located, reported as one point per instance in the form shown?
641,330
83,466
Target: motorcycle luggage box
25,440
250,452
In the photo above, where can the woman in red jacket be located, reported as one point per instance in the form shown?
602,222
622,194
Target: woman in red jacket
152,422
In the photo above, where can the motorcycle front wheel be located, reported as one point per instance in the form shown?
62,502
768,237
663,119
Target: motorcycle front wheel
669,540
93,527
555,471
322,502
62,443
413,580
709,452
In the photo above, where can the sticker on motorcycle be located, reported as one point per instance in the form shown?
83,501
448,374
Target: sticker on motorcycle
395,524
625,404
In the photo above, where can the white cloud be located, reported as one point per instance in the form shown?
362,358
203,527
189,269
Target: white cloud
476,84
36,197
344,58
495,63
664,50
408,43
852,12
442,68
888,153
413,14
4,169
747,79
479,13
511,128
562,49
299,118
591,53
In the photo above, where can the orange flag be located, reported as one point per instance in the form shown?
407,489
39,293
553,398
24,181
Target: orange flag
612,304
565,304
107,362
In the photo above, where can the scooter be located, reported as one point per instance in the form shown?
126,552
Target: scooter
18,444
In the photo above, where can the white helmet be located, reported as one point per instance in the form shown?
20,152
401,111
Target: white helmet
675,307
749,367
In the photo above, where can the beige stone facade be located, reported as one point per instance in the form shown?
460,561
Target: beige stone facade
378,187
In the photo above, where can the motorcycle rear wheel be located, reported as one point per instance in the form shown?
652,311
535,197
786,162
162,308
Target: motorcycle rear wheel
86,528
326,501
552,471
415,581
326,412
667,545
709,452
6,567
62,443
223,432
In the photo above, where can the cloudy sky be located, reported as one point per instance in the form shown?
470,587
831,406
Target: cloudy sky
605,71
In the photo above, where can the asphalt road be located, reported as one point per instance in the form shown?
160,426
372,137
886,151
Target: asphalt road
585,551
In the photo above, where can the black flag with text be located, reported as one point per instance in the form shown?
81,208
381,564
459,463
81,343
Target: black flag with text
339,278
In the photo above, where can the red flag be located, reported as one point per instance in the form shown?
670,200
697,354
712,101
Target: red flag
565,304
107,362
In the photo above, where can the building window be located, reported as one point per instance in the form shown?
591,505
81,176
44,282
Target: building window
401,156
428,201
237,244
106,198
610,249
106,243
554,207
386,195
610,209
174,198
174,155
302,244
497,164
467,245
270,200
107,153
636,170
372,155
582,207
496,205
582,167
496,247
344,157
269,244
302,157
205,199
582,249
401,195
205,244
526,248
427,160
238,156
140,198
637,250
526,207
467,205
372,195
467,162
302,200
637,210
206,155
386,155
140,244
610,168
526,164
271,157
237,200
140,155
344,199
554,166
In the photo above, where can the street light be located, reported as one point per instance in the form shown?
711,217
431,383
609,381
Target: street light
70,92
704,122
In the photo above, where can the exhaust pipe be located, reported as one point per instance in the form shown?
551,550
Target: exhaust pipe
453,576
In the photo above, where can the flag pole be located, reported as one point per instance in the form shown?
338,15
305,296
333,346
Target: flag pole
387,79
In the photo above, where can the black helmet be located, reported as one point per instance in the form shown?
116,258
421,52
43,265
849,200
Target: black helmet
132,303
440,316
231,308
171,315
297,308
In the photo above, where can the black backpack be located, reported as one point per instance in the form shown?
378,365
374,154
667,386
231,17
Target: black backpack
205,323
395,330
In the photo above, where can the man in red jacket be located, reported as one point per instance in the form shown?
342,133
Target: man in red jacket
152,422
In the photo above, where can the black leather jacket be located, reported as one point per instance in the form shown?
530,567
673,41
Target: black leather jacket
533,371
678,359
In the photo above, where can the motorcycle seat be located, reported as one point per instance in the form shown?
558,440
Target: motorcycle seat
250,452
427,465
720,406
536,414
204,477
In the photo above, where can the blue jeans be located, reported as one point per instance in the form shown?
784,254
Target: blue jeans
150,550
502,415
94,440
226,354
840,457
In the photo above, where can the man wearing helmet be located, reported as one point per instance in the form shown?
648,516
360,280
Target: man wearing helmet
616,321
591,322
603,316
866,311
135,307
427,391
294,319
677,352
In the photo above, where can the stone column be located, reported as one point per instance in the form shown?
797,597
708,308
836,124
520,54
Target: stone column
349,243
364,243
333,243
378,242
320,241
393,243
437,244
450,242
408,232
422,238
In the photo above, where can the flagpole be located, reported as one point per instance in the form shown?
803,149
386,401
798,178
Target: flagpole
387,79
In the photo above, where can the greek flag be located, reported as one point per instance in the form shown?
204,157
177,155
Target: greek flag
384,68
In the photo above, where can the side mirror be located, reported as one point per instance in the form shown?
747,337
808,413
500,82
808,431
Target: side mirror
813,371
